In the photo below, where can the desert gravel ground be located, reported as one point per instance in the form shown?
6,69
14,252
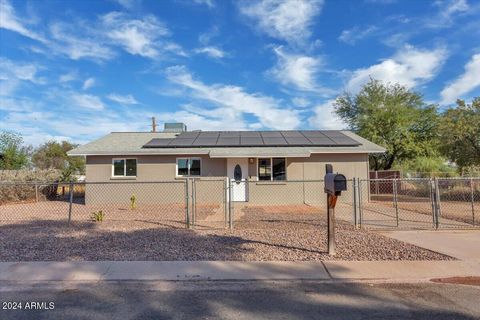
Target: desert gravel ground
256,237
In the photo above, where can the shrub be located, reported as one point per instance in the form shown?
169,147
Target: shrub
133,202
98,216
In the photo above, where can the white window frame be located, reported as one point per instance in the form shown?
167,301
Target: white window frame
124,168
188,162
271,168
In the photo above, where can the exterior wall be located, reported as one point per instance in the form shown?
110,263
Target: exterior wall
150,167
162,168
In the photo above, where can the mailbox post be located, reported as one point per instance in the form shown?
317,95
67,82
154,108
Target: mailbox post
334,185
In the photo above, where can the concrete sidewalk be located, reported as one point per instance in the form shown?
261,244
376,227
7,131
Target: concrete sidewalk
461,244
235,270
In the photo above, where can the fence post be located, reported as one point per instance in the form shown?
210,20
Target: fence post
187,195
36,191
194,202
360,210
432,201
354,185
71,202
225,198
230,205
395,198
472,198
438,202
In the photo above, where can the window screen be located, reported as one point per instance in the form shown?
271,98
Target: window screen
131,167
278,169
118,167
264,169
182,167
194,167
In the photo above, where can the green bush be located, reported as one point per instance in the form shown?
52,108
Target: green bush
425,167
133,202
98,216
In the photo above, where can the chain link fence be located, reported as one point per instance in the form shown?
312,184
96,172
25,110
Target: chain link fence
223,203
419,203
110,201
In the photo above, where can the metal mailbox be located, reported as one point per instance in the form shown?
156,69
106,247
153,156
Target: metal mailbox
335,183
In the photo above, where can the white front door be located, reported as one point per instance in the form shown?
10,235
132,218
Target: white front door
237,170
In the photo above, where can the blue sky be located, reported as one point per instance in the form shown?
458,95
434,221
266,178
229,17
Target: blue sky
77,70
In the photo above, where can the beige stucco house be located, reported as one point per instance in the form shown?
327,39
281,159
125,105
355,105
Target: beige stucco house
259,159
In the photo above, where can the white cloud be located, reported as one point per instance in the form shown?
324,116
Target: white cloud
122,99
75,47
67,77
296,70
87,84
208,3
288,20
409,67
325,118
465,83
10,21
351,36
127,4
300,102
137,36
235,99
86,101
448,10
212,52
13,73
19,70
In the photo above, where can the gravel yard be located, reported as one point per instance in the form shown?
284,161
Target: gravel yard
258,236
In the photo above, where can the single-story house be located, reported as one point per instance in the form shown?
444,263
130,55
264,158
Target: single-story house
259,158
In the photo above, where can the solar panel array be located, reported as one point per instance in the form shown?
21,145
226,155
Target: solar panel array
197,139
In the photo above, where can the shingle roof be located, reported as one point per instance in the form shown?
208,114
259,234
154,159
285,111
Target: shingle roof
131,143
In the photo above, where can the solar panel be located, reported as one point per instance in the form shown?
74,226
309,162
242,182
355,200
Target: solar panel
251,141
205,142
157,142
185,135
271,134
313,134
181,142
291,134
274,141
321,141
229,134
298,141
330,138
228,141
250,134
209,135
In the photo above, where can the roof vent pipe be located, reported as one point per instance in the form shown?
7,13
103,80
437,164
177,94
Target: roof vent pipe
154,125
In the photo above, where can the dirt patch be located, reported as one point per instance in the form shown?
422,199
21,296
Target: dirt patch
256,237
472,281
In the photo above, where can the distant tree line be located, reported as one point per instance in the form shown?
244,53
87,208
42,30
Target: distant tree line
417,135
16,155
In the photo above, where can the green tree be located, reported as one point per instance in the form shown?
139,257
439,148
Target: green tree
53,155
14,155
460,133
394,117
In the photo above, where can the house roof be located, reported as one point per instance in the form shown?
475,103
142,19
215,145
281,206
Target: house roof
132,143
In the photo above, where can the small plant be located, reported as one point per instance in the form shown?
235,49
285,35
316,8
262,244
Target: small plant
98,216
133,202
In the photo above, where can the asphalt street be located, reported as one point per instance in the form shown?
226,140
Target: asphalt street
238,300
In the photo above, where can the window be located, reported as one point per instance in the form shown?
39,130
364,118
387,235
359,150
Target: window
272,169
124,167
189,167
264,169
